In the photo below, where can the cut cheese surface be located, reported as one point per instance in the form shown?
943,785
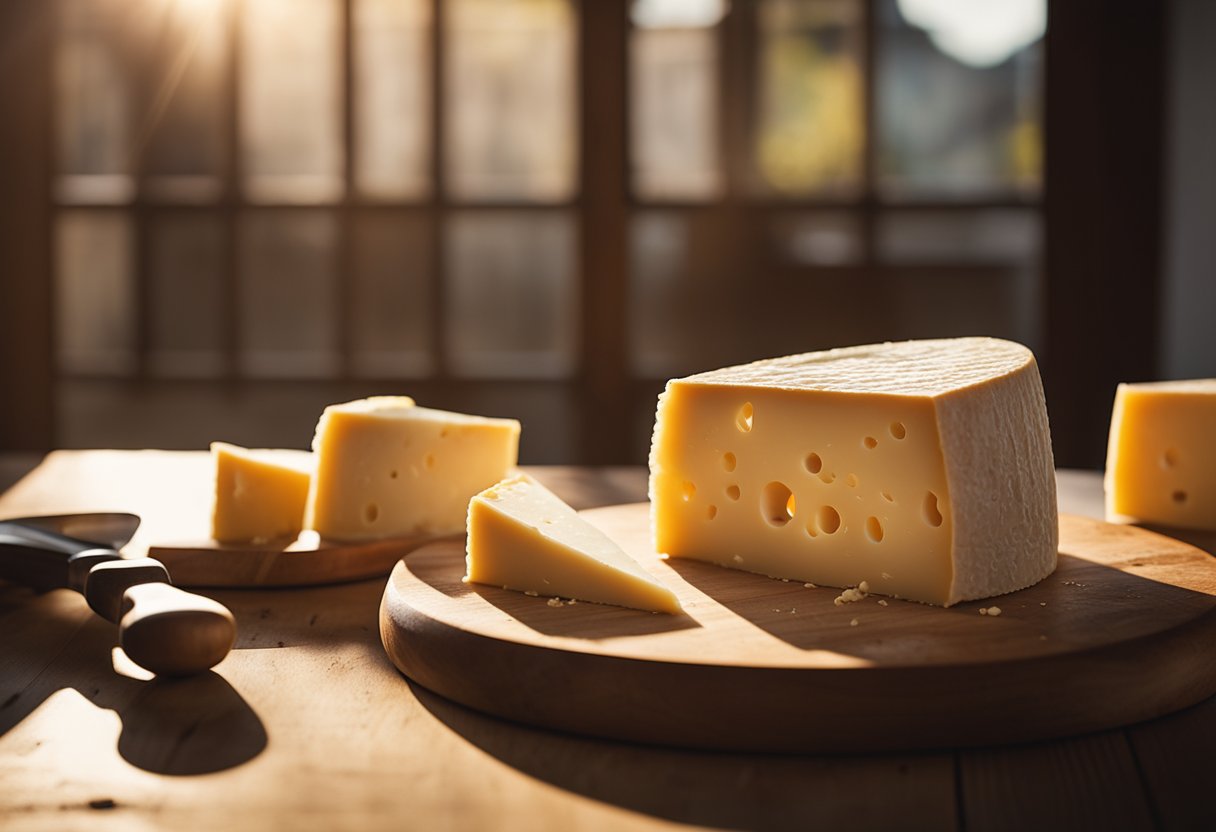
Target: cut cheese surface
388,468
259,494
923,468
1161,460
523,537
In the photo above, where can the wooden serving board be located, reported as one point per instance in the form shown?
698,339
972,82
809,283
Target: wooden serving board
172,493
1124,630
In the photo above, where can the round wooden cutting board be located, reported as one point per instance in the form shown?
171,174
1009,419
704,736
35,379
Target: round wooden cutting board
1124,630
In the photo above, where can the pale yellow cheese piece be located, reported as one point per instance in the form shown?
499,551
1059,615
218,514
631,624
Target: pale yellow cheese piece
923,468
387,468
259,494
523,537
1161,459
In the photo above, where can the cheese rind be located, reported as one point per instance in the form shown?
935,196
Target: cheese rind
523,537
388,468
260,494
1161,457
924,468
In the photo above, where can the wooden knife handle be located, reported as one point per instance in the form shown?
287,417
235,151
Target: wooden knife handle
173,632
160,627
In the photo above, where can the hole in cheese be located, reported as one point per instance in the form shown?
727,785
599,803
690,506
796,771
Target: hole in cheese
689,490
732,491
870,442
811,530
813,463
851,481
429,461
828,476
874,529
1169,459
711,512
1179,497
777,503
392,475
744,420
933,515
728,461
898,430
828,519
371,513
886,495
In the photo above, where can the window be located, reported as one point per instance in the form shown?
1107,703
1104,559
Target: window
263,206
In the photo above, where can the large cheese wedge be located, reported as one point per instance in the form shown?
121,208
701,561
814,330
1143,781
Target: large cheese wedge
1161,460
259,494
387,468
923,468
523,537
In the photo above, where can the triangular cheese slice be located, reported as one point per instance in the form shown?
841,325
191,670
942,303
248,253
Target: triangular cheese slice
523,537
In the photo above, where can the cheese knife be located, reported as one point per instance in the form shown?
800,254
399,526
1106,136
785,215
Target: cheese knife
160,627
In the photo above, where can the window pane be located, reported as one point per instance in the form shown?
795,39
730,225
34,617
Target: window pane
674,118
820,238
391,330
95,296
393,97
288,309
187,289
511,297
810,124
510,99
959,102
94,101
994,236
186,86
291,101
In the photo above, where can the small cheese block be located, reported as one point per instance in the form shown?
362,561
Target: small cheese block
259,494
386,468
1161,460
523,537
923,468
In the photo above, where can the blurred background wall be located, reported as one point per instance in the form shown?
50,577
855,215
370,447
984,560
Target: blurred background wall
220,215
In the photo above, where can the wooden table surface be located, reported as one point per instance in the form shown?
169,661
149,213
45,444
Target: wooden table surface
306,725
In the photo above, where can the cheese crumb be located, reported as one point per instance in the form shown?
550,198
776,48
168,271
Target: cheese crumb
530,592
882,602
809,586
738,558
886,576
572,601
785,580
1042,603
854,623
983,610
994,610
555,602
851,595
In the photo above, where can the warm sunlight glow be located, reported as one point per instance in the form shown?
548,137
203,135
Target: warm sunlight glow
678,14
980,33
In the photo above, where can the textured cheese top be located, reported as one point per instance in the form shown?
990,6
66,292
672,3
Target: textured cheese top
1198,386
905,368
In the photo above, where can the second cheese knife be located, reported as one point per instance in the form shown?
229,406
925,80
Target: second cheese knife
160,627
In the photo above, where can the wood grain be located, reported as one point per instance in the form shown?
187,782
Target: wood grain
1122,631
172,492
307,725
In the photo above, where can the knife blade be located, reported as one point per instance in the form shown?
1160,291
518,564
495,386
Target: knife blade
160,627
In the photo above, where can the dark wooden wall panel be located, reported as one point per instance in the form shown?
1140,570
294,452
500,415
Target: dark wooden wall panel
1103,175
25,228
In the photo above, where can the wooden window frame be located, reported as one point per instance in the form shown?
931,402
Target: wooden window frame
1103,61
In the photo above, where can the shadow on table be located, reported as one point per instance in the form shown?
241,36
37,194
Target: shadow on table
192,725
727,790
